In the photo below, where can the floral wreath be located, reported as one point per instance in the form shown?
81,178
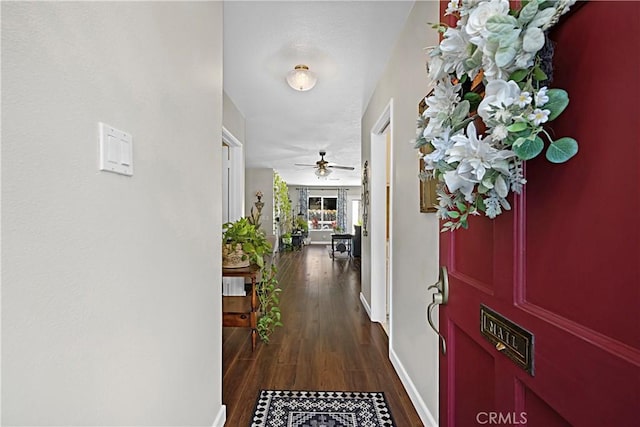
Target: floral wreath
485,116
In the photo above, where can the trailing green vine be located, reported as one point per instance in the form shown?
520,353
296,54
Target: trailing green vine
269,298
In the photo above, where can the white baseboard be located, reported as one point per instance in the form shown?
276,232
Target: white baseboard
423,411
221,418
365,304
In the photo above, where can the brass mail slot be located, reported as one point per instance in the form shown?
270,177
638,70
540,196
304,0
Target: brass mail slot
512,340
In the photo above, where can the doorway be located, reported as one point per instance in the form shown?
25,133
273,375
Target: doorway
232,177
381,231
232,171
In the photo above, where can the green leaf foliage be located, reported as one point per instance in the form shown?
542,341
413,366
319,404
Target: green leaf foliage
529,148
562,150
456,128
474,100
542,17
461,206
505,55
461,111
268,291
472,97
558,101
501,24
539,75
533,40
519,75
528,12
517,127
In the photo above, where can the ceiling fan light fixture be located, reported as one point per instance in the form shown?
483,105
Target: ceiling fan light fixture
322,172
301,78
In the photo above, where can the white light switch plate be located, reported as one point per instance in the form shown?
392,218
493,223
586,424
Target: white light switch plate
116,150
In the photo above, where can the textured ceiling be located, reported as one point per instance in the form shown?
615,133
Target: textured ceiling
346,43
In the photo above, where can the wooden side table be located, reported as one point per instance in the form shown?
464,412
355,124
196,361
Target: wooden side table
345,237
242,312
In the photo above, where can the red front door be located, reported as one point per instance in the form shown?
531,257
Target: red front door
564,263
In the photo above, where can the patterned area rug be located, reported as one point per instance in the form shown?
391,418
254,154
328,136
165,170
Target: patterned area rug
321,409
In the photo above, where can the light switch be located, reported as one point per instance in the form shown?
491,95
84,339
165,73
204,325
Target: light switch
113,150
125,153
116,150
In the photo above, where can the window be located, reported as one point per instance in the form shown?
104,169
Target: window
322,212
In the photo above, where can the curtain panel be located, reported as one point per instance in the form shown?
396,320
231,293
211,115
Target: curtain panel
342,210
303,202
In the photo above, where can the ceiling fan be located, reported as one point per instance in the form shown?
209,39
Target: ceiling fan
323,168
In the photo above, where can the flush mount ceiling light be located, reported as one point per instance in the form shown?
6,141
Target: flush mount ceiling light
300,78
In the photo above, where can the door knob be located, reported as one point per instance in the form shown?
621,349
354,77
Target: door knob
440,297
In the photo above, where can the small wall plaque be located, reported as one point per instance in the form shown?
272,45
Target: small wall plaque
510,339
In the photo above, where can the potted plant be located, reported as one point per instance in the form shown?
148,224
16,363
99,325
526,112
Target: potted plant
302,226
243,244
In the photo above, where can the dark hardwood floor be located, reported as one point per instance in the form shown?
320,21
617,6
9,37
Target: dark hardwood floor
327,342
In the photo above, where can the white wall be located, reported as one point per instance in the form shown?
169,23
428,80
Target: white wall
111,307
233,119
260,179
413,348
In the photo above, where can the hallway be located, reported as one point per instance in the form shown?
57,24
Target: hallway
327,342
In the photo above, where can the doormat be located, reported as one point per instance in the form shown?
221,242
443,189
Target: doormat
286,408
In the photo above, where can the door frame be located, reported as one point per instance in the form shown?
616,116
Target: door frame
236,175
377,217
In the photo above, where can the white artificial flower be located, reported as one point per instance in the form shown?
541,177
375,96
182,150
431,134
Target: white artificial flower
479,15
491,70
432,130
456,182
455,49
539,116
541,97
524,99
503,115
440,145
475,156
467,6
453,7
436,68
499,133
445,97
498,94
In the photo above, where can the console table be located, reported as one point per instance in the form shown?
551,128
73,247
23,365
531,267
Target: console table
341,237
239,311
